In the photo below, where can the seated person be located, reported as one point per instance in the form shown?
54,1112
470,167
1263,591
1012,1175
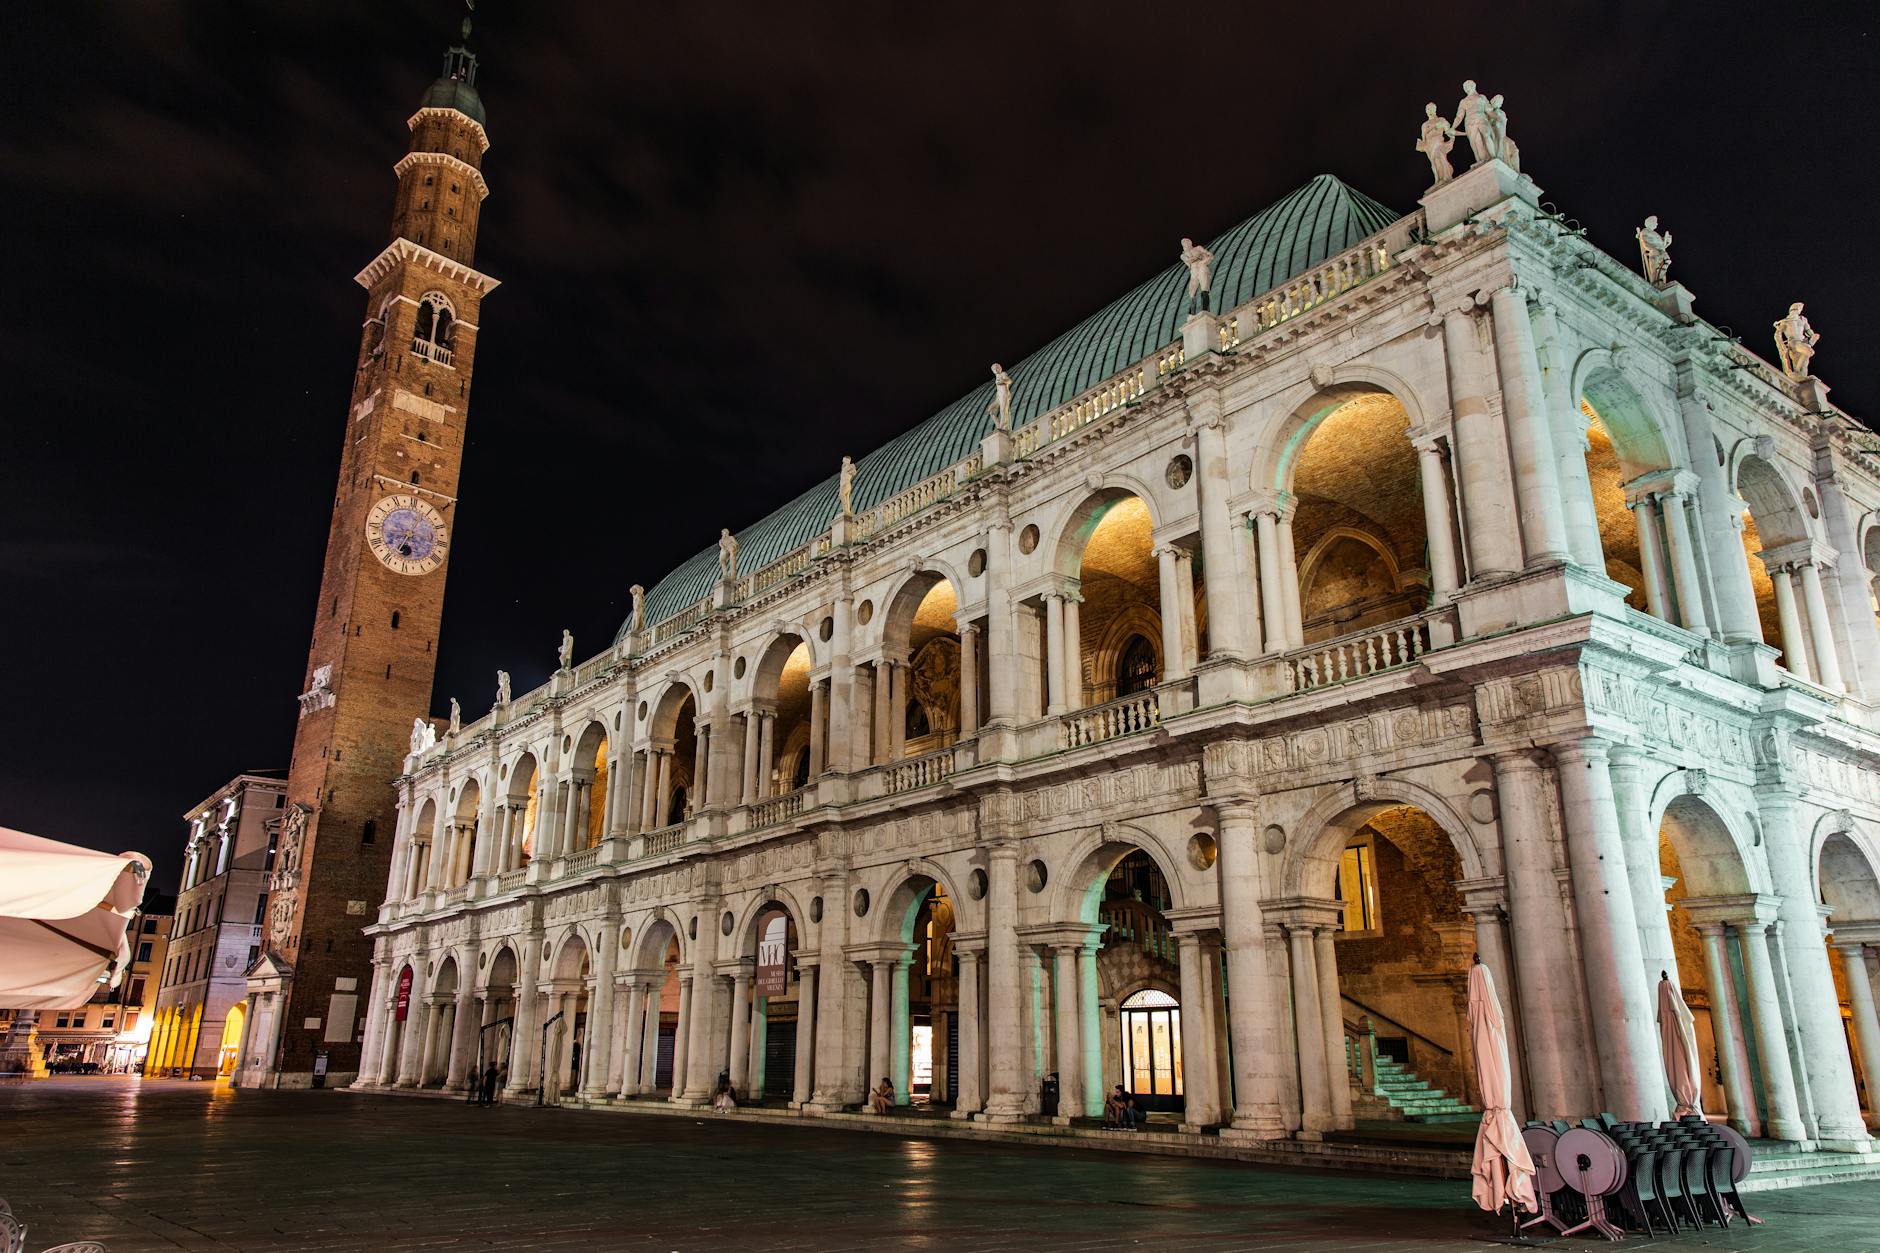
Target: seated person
881,1099
724,1099
1113,1107
1133,1114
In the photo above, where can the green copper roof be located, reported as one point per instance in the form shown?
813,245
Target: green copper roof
454,93
1313,224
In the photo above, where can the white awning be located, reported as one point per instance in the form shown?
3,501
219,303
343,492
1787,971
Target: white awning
63,913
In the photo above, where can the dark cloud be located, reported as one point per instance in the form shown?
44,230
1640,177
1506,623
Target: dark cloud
737,242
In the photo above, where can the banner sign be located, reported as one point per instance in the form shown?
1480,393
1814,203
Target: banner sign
773,955
404,993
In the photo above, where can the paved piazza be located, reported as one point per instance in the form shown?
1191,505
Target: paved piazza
159,1165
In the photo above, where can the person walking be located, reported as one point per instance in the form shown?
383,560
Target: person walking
487,1094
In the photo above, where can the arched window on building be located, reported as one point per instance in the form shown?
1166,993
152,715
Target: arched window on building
435,333
1135,666
1152,1045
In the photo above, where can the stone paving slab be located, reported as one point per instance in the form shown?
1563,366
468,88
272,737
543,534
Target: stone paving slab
163,1165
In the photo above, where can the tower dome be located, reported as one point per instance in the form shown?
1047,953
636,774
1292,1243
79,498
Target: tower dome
455,88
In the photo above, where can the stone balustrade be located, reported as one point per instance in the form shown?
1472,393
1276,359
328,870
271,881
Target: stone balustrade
1126,715
580,862
663,841
431,352
776,809
922,771
510,880
1337,276
1354,656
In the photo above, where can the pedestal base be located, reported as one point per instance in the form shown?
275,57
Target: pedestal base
1481,188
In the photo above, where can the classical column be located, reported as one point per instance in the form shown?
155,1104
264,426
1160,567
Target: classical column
600,1052
804,1079
1225,638
649,1037
1436,518
1530,443
1008,1090
1309,1031
766,753
1725,1030
649,789
631,1036
1073,652
1824,1059
1289,578
463,1034
969,679
754,1075
1201,1103
1794,647
900,1039
701,764
1862,631
751,721
1548,987
1784,1121
1684,563
682,1039
1254,1012
524,1032
662,793
741,1029
1643,875
1065,987
818,713
1820,630
1620,998
1494,541
1174,656
427,1055
392,1056
1272,599
1866,1024
1569,439
969,1097
1246,578
1054,653
880,1015
371,1047
884,704
1651,556
1337,1076
897,710
1090,1064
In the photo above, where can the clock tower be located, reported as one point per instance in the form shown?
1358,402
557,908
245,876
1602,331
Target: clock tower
375,628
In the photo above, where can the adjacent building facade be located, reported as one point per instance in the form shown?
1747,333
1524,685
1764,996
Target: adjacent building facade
109,1031
1189,706
218,930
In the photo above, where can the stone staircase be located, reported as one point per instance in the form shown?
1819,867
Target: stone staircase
1411,1099
1776,1165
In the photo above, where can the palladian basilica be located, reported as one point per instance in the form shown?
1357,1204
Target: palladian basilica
1188,707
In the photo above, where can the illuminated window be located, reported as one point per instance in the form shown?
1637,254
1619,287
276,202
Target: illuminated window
1357,886
1152,1044
1135,666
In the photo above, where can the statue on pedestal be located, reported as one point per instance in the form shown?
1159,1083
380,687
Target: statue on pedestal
1498,127
1200,263
423,736
566,652
845,487
1001,406
1472,119
638,620
502,687
727,554
456,716
1654,252
1795,343
1435,140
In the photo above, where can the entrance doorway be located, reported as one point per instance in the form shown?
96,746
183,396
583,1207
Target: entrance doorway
1152,1049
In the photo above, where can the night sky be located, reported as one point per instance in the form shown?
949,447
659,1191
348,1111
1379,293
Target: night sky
736,242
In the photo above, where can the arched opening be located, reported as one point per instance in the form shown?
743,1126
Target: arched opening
1608,472
1116,603
913,1037
496,1045
589,781
1850,889
418,850
567,996
777,728
1359,521
1382,956
1716,942
435,333
676,762
521,800
231,1045
922,711
465,830
439,1016
772,1009
1775,543
1138,984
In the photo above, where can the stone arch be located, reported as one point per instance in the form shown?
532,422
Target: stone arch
1277,461
518,785
1095,854
469,797
571,955
900,606
1774,504
655,936
777,896
444,983
1711,855
1321,835
1103,656
1845,870
1641,439
1071,529
663,718
504,968
902,894
767,674
1331,580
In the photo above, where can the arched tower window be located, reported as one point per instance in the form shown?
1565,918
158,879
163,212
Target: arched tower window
1135,666
436,329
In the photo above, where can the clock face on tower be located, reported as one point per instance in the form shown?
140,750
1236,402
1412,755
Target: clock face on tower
407,535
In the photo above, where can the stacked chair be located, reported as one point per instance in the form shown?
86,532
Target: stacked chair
1677,1175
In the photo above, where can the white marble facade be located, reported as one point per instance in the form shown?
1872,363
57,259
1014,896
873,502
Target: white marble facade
1552,732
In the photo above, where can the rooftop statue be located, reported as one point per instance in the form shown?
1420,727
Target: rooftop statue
727,554
638,621
1654,252
1001,406
566,651
1200,263
845,487
423,736
456,716
1473,120
1498,125
1434,142
502,687
1795,343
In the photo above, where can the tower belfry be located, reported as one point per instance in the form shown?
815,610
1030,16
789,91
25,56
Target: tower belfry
373,654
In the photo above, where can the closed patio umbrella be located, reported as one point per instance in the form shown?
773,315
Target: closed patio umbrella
63,911
1503,1168
1677,1040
